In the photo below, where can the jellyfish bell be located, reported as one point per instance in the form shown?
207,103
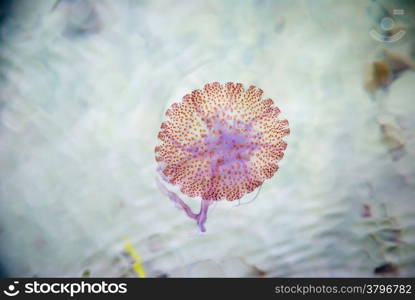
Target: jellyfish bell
219,143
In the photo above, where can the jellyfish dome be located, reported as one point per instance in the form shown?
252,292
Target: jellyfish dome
221,142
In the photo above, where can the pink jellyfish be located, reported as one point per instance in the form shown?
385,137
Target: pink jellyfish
221,142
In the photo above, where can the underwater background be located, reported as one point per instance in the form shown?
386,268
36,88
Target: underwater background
84,86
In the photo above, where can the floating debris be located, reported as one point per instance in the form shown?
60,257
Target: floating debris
398,62
258,271
383,72
138,268
386,269
366,211
393,134
380,76
86,273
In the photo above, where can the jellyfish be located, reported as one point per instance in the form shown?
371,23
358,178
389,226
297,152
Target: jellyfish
219,143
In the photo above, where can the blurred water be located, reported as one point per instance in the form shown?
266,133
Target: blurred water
84,88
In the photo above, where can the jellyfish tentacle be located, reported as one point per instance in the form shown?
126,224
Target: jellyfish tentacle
251,200
202,215
177,200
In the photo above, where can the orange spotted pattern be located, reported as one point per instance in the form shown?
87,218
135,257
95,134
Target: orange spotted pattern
221,142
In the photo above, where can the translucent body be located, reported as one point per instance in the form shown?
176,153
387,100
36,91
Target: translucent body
221,142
